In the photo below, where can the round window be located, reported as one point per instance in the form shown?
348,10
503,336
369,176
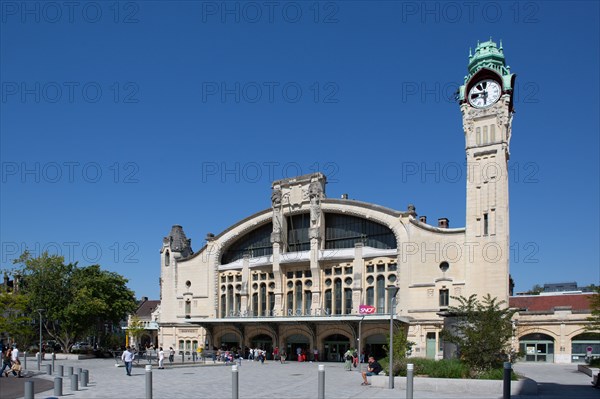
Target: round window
308,283
348,281
254,286
290,284
370,279
223,288
392,278
444,266
238,287
188,283
328,282
272,286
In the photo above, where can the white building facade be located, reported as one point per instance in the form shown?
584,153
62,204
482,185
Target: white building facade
296,275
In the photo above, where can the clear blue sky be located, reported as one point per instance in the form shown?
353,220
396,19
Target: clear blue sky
120,119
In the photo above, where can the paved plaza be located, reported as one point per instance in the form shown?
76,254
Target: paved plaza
274,380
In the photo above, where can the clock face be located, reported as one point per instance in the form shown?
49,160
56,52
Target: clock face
484,93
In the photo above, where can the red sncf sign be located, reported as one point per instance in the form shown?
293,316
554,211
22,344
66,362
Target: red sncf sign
366,309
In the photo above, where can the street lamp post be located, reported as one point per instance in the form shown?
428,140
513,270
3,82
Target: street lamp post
392,291
40,347
359,343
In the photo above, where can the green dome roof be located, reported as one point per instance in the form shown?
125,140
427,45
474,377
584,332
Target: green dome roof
488,55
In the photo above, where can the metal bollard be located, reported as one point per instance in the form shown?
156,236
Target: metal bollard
235,388
29,390
409,380
506,382
60,370
82,379
182,357
53,359
39,360
74,382
78,370
69,371
48,369
86,377
25,360
321,394
58,386
149,381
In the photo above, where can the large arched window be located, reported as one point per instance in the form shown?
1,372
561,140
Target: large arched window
223,305
343,231
229,300
290,302
255,243
297,233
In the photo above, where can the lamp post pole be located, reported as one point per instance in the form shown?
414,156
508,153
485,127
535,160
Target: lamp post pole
392,291
359,343
40,347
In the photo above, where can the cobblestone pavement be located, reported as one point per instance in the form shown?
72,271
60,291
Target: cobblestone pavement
290,380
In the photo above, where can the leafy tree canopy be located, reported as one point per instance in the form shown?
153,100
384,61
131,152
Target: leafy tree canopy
482,332
75,299
594,319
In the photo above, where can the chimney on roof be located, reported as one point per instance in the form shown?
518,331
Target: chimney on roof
344,196
423,219
144,298
443,223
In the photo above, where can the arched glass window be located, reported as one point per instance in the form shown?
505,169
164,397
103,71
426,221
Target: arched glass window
328,301
380,294
343,231
271,303
337,287
223,305
238,303
290,302
229,300
167,258
347,300
307,301
370,296
263,299
255,243
255,304
298,297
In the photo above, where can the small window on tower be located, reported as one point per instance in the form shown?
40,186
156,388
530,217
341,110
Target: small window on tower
492,133
444,297
485,135
478,136
167,258
485,224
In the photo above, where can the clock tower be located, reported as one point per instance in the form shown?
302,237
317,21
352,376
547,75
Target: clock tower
486,103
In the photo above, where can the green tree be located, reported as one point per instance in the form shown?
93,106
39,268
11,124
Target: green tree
536,290
15,318
594,319
75,300
135,329
482,332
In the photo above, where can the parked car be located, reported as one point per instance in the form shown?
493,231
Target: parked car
81,346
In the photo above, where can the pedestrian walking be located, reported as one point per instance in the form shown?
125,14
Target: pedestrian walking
348,360
171,354
161,358
127,358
